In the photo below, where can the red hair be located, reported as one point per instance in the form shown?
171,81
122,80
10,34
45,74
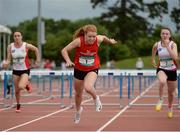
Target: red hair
83,30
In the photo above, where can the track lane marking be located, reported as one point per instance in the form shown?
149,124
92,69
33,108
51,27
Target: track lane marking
48,115
125,108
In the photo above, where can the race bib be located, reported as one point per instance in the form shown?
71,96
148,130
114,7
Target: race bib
86,60
166,63
18,61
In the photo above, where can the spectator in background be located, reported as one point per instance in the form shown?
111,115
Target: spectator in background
63,66
108,64
53,64
47,64
112,66
42,63
139,64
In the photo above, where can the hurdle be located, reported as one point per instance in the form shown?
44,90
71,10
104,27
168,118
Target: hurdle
153,77
120,75
60,76
148,76
139,76
127,77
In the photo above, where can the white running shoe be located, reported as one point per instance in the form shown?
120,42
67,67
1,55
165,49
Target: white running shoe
98,104
78,115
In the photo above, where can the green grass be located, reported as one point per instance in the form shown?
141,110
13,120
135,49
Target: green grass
131,63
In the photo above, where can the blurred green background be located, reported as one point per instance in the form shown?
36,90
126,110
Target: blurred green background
131,22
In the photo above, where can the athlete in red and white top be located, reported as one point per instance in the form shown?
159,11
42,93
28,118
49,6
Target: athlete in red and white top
86,57
18,52
166,67
86,63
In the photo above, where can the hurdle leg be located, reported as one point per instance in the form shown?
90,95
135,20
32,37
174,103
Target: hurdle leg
129,89
120,91
8,97
178,91
62,92
71,90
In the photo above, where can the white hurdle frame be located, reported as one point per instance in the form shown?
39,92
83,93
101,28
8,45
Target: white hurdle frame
102,72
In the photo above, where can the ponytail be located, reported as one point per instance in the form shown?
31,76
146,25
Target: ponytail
83,30
79,32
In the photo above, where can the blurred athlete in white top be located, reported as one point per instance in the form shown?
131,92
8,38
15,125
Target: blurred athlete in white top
18,52
166,67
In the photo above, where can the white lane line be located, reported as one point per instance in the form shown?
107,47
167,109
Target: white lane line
36,119
8,107
69,107
36,101
39,100
124,109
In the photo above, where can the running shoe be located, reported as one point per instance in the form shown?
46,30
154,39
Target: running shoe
159,105
98,104
78,115
18,108
29,87
170,113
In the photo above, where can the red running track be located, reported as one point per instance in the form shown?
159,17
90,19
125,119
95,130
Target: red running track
111,118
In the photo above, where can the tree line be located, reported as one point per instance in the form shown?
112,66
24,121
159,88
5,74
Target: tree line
123,21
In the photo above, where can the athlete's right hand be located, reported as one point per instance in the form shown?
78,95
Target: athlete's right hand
154,63
70,64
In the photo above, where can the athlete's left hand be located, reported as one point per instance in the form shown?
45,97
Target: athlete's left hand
113,41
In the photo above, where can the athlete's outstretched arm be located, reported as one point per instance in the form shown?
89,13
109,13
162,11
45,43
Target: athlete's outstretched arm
65,51
105,39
